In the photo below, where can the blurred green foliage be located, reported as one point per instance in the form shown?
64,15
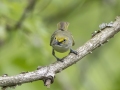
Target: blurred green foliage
26,47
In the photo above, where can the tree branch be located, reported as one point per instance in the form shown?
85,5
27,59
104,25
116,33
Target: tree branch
47,73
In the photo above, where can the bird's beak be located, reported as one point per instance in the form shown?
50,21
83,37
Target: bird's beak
56,43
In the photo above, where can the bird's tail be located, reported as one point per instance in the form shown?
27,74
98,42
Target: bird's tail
62,26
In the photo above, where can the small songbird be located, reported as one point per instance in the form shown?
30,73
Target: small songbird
62,40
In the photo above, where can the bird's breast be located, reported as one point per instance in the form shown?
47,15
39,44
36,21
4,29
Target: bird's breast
60,49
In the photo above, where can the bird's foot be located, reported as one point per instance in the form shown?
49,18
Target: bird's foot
60,59
72,51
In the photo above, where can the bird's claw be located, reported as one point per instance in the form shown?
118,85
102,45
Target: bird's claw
72,51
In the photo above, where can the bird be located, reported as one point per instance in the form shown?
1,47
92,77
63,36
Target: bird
62,40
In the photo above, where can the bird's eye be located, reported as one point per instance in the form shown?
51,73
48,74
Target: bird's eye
64,39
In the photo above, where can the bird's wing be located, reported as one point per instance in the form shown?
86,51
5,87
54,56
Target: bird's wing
52,37
73,43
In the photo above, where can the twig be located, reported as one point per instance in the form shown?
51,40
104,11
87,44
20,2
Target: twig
47,73
28,9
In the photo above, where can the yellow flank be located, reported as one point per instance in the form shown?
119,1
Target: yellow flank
61,55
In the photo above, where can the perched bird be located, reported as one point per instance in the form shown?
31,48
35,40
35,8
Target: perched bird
62,40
